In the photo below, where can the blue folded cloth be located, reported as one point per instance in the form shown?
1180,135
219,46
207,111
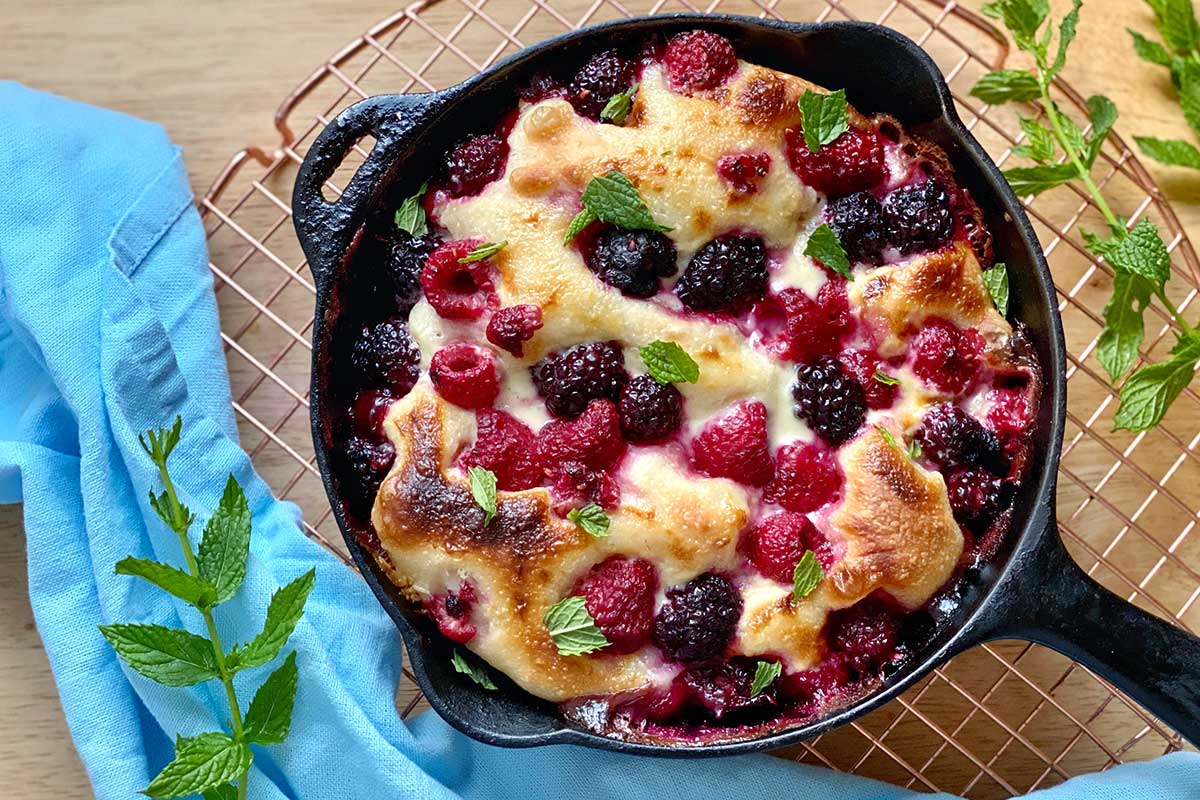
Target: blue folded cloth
108,327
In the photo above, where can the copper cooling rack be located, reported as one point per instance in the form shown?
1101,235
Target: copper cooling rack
999,720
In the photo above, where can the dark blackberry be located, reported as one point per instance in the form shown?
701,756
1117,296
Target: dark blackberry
726,274
387,356
405,260
865,634
919,217
829,400
857,219
540,87
649,410
475,163
571,379
365,463
723,689
975,497
698,619
950,437
604,75
632,261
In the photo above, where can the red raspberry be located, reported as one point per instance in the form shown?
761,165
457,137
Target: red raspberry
475,163
698,60
850,163
454,289
465,375
744,171
1008,412
814,328
619,593
593,438
734,445
975,496
864,365
370,410
775,544
865,634
509,328
574,481
806,477
946,357
507,447
817,683
664,704
452,611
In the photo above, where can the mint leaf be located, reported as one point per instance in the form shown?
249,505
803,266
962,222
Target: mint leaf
1148,50
1066,35
283,612
572,628
477,674
616,110
269,717
884,378
1006,86
995,280
1175,152
914,450
806,576
1124,328
823,117
161,441
824,246
1178,25
226,791
1142,252
613,199
483,489
226,542
410,217
1072,134
1103,114
1189,96
176,515
188,588
591,518
667,362
483,252
1021,17
169,656
578,223
1149,392
1035,180
764,675
204,762
890,439
1040,145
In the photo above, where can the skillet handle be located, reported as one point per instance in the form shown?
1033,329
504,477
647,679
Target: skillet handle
1053,602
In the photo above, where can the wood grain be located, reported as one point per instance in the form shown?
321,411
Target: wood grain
213,74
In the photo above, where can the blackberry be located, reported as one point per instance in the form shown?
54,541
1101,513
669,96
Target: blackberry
830,401
649,410
726,274
975,497
698,619
405,260
571,379
604,75
950,437
865,634
724,689
387,356
475,163
858,221
632,261
365,463
919,217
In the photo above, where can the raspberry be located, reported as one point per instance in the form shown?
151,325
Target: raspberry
507,447
662,705
865,634
465,375
950,437
919,217
594,438
1008,413
573,482
829,400
365,463
723,689
814,328
974,496
744,171
726,274
649,410
946,357
852,162
734,445
865,365
475,163
509,328
698,619
775,544
454,289
387,356
369,411
619,593
604,75
632,261
698,60
816,683
858,221
586,372
452,612
806,478
405,260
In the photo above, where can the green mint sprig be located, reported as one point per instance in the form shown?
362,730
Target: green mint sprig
212,764
612,198
483,252
667,362
616,110
572,628
591,519
1137,255
806,576
410,217
995,280
824,245
1179,52
765,673
477,674
823,117
482,483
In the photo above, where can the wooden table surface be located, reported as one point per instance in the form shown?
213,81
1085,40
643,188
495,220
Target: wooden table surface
213,73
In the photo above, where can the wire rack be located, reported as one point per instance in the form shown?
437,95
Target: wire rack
1000,720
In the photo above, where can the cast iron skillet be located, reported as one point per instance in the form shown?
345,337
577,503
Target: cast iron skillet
1031,589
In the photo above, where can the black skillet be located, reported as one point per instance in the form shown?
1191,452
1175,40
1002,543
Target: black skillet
1031,589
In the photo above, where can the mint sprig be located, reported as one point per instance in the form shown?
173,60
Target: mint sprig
612,198
806,576
765,673
572,628
212,764
1138,257
1179,52
482,483
824,245
995,280
823,117
483,252
667,362
616,110
591,519
477,674
410,217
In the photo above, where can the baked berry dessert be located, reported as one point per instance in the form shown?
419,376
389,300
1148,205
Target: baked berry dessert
687,396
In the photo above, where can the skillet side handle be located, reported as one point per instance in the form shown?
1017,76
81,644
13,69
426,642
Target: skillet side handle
1054,602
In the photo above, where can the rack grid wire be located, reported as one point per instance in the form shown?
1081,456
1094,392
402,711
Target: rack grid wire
999,720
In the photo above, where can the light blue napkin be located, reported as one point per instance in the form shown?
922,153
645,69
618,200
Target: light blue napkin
109,327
